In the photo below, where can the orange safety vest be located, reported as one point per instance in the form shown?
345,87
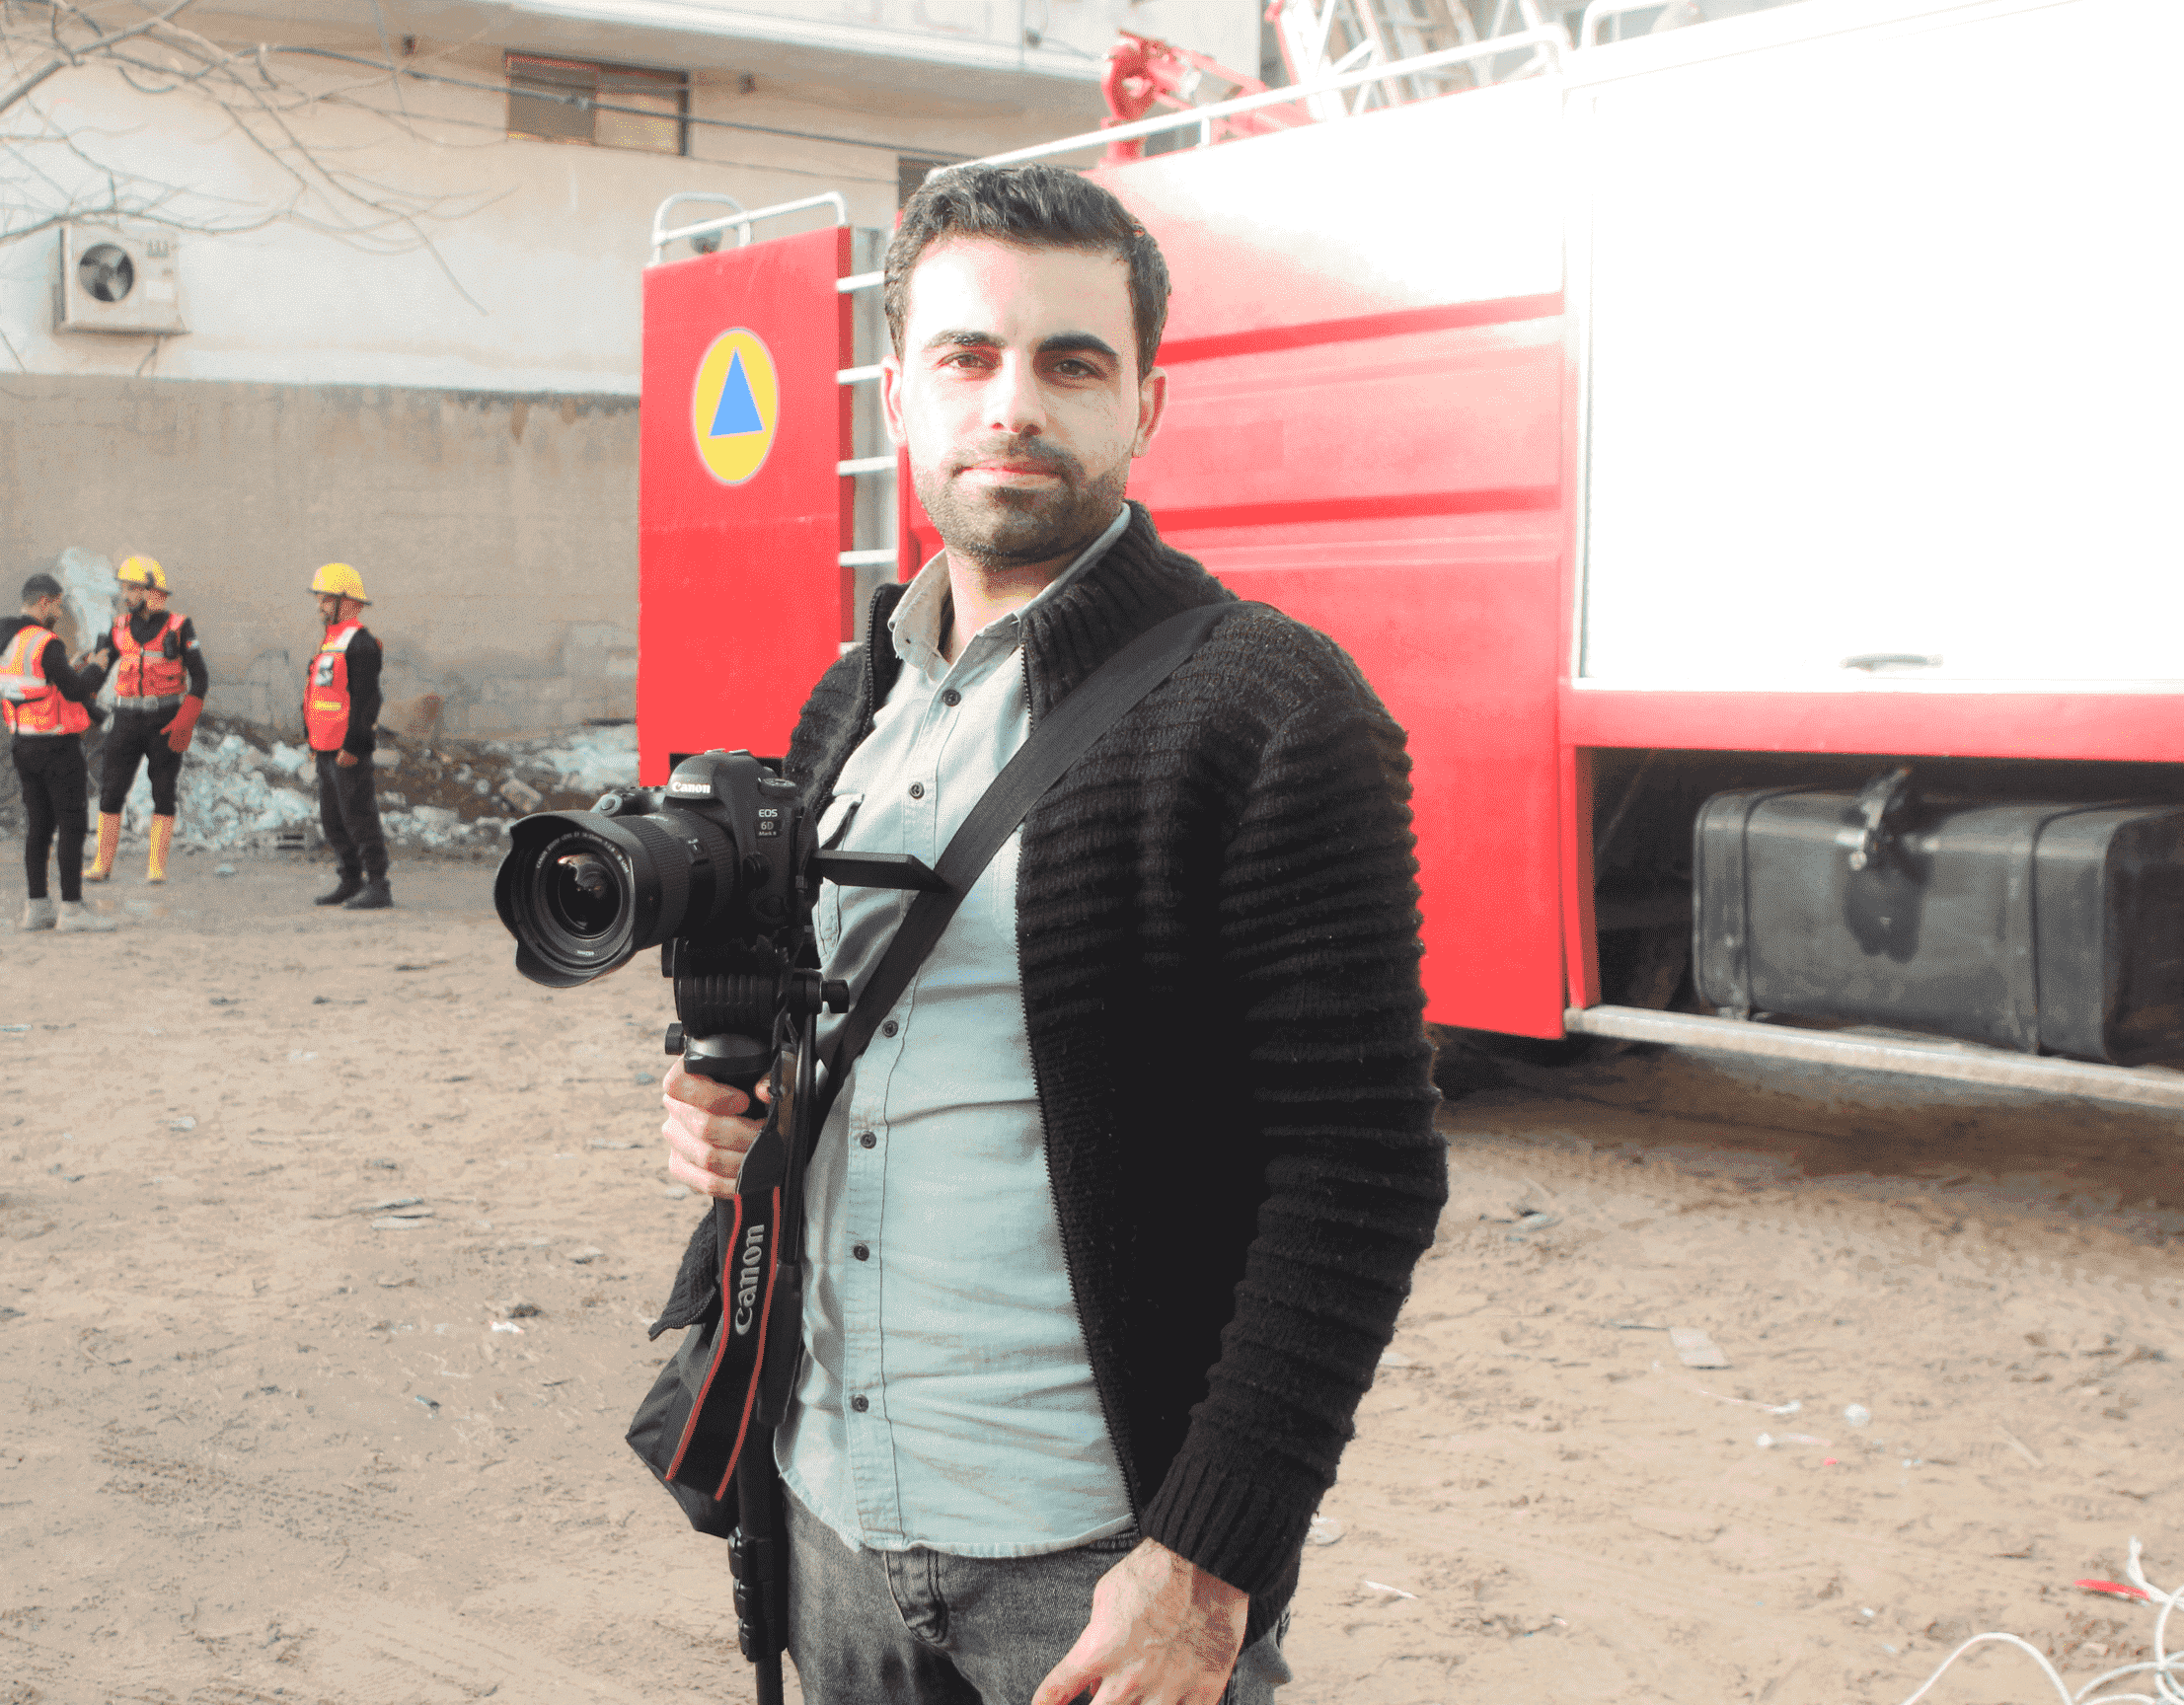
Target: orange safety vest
326,689
149,672
31,704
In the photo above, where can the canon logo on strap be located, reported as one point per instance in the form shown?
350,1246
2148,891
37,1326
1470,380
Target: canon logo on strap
746,1282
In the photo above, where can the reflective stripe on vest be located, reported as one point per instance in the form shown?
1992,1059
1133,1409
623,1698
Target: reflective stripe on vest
31,703
326,689
147,671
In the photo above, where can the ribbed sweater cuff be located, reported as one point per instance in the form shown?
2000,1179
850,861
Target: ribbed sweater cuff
1233,1524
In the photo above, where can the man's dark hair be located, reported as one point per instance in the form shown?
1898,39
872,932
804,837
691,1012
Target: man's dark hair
1034,207
40,586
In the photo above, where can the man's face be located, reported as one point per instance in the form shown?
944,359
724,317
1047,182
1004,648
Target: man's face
45,610
133,596
1019,396
330,608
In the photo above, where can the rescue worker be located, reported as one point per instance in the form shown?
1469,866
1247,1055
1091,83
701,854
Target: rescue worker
340,703
159,690
46,706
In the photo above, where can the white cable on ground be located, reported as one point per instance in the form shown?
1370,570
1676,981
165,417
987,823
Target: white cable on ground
2168,1671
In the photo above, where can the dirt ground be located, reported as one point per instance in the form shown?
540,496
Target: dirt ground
264,1439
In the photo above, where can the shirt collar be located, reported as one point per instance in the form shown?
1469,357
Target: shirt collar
920,622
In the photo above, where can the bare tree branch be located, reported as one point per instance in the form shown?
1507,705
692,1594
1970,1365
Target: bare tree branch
157,56
31,82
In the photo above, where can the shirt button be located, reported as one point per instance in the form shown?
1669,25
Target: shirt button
889,1028
862,1252
952,698
917,789
866,1140
861,1402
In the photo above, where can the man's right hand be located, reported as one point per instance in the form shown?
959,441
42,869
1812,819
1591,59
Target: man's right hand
707,1132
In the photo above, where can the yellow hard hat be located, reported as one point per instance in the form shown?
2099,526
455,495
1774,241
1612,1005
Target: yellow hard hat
341,579
142,571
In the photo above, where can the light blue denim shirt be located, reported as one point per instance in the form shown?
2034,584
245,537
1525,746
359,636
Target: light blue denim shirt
945,1398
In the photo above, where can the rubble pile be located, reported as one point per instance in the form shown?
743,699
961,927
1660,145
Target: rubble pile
243,788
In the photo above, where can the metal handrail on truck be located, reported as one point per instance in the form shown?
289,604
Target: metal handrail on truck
739,219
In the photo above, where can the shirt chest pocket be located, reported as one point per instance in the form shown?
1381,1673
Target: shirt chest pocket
834,828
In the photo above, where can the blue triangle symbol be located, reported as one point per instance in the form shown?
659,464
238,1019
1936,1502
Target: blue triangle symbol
738,409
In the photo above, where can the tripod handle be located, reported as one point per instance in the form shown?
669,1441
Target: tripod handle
736,1060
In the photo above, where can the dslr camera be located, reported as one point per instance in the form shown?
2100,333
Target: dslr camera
718,869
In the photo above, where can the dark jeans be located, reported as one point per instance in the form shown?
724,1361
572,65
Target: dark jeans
134,735
348,812
924,1628
55,784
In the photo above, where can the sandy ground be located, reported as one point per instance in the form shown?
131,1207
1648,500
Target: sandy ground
258,1444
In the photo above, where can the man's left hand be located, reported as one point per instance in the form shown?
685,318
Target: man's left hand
1163,1632
346,759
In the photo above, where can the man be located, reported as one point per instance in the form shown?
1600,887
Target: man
1111,1221
159,691
46,706
341,704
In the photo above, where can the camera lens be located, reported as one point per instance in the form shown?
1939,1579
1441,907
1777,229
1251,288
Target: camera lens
581,892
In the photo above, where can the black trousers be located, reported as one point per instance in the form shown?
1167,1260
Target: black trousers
348,812
134,735
55,784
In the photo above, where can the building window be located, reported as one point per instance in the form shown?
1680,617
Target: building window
608,105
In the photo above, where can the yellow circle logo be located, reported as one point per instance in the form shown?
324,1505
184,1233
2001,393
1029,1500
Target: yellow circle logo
735,406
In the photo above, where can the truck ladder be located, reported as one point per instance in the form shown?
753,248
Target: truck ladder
1321,39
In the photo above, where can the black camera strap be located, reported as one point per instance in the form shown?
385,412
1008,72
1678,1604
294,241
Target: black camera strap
1098,703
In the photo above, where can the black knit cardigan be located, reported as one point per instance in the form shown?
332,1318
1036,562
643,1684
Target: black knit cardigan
1218,932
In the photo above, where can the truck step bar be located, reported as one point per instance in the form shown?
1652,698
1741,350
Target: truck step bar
1869,1050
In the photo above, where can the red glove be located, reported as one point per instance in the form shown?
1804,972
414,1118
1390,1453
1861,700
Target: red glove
184,727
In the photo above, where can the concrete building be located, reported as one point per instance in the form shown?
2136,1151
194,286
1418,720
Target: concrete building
405,244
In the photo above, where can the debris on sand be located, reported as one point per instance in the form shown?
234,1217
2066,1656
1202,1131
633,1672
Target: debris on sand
243,788
1695,1349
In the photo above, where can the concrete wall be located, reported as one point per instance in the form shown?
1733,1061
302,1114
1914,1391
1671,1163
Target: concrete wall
496,533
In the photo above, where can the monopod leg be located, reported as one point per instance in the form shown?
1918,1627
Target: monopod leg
758,1558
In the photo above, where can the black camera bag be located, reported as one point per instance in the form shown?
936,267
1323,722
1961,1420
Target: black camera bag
692,1424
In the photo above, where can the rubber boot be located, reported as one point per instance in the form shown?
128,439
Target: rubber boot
38,915
374,898
109,844
163,837
78,918
348,883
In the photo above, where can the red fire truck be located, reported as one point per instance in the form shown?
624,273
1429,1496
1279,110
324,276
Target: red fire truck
1770,400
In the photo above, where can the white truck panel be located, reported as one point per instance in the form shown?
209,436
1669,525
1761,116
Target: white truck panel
1881,351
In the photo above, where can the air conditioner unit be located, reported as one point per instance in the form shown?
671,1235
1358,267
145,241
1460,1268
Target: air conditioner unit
117,278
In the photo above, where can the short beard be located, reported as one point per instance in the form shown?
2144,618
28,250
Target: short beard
1014,529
